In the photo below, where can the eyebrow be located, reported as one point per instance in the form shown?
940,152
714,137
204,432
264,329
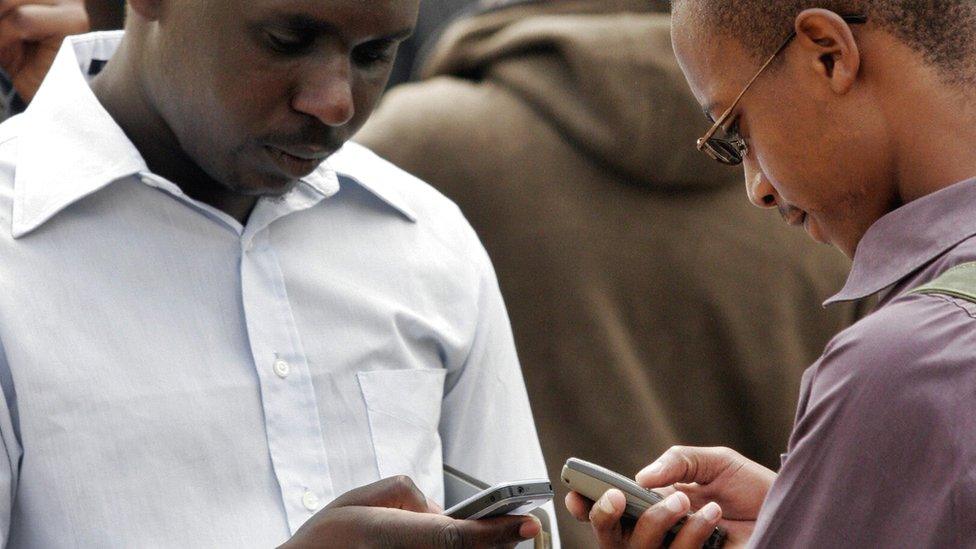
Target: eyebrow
401,34
709,109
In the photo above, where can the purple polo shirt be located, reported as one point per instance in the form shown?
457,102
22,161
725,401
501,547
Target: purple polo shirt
883,451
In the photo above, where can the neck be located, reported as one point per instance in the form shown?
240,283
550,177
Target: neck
932,124
121,90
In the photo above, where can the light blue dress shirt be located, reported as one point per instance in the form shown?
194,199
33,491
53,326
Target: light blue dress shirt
175,379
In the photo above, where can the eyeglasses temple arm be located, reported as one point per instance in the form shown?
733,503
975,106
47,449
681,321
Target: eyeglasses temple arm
851,19
721,120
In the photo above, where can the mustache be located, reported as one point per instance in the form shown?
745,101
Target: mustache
789,213
330,139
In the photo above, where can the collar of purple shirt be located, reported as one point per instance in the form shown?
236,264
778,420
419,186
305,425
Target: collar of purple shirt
908,238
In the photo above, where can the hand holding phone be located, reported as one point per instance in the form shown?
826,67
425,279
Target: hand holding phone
592,481
395,510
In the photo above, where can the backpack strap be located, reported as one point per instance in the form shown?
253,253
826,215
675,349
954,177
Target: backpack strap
959,281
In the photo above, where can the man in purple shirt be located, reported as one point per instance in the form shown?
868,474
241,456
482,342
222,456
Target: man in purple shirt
859,126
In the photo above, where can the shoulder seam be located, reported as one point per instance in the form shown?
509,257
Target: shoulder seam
955,302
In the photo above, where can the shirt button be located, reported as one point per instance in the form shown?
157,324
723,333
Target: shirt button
281,368
310,500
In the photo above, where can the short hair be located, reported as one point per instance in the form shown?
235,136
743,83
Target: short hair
942,31
660,6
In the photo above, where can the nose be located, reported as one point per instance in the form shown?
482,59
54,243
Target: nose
326,92
761,192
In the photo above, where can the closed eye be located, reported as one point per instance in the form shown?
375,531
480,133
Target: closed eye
732,129
376,52
289,43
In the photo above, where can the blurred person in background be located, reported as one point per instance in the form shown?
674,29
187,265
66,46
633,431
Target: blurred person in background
106,14
31,32
651,303
434,16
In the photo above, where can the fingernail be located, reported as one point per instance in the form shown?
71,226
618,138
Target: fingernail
711,511
530,528
673,503
605,504
651,470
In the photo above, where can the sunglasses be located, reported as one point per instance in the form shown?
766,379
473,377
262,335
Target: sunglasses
731,149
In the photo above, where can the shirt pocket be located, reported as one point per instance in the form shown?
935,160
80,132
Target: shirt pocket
404,408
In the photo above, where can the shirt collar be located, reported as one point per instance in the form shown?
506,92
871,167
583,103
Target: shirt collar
69,146
357,164
906,239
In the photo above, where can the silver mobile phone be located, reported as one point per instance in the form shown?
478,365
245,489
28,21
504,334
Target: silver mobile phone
592,481
459,486
508,498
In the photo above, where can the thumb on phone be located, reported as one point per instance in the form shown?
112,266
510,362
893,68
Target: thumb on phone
451,533
397,492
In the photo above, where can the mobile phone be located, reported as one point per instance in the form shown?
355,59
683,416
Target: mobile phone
459,486
592,481
508,498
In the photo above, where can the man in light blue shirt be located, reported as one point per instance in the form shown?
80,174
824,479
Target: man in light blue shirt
212,324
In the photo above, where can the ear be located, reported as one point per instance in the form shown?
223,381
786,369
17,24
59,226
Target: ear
830,41
149,10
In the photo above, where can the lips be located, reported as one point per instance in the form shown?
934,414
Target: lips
296,162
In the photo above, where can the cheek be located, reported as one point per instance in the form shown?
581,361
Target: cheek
220,122
252,102
787,168
247,89
789,138
367,91
801,165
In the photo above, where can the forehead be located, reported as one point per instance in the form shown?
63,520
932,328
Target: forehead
341,16
715,65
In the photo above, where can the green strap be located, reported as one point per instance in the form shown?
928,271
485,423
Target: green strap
959,281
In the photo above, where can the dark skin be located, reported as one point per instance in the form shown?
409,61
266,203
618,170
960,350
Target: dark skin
106,14
233,100
716,486
852,124
236,99
393,513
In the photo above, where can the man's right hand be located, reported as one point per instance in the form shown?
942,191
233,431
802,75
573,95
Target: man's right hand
393,513
713,482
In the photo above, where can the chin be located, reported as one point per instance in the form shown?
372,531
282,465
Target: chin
265,186
814,229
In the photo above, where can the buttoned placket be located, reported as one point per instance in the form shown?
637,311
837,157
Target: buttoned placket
294,429
292,422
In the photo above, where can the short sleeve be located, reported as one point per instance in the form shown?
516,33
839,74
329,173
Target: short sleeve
875,458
